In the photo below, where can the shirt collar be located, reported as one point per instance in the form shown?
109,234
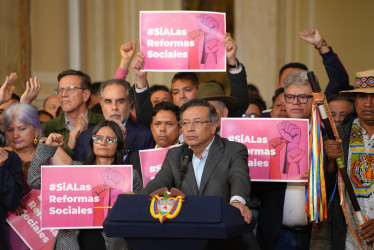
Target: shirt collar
206,150
68,123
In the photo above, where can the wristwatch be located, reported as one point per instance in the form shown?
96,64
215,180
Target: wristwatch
236,65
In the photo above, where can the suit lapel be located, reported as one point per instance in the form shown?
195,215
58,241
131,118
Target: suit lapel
190,178
214,156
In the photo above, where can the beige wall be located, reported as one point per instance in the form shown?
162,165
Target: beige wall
15,41
104,26
266,31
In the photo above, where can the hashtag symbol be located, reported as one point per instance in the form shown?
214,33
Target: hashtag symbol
52,187
150,32
231,138
152,169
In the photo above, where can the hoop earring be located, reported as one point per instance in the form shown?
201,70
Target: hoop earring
35,141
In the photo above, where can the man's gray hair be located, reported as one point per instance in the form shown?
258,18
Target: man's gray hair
118,82
298,78
220,104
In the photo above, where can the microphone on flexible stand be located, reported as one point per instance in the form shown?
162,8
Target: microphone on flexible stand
187,157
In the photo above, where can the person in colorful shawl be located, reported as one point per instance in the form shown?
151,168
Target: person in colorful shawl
356,148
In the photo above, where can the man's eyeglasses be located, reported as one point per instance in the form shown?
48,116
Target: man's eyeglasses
303,98
99,139
68,90
196,123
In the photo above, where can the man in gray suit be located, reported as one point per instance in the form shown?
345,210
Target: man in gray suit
219,167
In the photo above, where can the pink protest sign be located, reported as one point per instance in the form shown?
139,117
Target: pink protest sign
151,161
183,40
28,225
277,148
81,196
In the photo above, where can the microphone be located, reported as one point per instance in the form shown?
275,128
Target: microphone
186,159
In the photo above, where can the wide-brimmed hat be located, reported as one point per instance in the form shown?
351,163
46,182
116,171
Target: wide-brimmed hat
211,91
364,83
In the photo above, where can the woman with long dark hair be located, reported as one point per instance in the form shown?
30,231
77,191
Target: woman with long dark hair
107,147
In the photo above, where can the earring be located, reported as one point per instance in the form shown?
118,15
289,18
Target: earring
35,141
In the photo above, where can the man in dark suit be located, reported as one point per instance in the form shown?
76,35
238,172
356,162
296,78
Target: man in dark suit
219,167
165,129
115,103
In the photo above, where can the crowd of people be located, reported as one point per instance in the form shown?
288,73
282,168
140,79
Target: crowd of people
109,122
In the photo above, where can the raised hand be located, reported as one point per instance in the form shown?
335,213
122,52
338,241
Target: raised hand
312,36
127,51
32,90
6,90
55,140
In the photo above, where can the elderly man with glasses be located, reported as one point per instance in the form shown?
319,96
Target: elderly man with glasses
74,91
282,222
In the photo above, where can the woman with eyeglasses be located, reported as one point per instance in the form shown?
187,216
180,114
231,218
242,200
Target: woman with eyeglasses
107,147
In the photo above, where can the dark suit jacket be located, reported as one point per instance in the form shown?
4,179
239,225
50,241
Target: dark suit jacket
11,191
238,83
339,225
138,137
225,174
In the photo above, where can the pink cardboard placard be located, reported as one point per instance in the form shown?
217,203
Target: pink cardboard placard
278,149
183,40
81,196
28,225
151,161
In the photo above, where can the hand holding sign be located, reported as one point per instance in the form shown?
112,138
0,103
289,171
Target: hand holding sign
231,46
20,209
137,66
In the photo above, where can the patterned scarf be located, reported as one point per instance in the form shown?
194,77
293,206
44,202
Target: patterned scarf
362,171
